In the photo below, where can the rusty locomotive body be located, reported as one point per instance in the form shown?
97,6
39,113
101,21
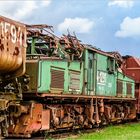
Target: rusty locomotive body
65,85
12,65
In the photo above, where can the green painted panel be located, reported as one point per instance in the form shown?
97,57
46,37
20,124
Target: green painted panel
100,80
106,84
86,72
91,71
75,78
123,77
127,85
102,62
58,70
45,67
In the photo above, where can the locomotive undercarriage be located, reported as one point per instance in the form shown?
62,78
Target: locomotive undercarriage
8,109
52,114
10,97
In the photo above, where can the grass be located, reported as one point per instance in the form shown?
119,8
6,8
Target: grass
120,132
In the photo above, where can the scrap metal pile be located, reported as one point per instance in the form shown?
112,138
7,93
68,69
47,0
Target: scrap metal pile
46,43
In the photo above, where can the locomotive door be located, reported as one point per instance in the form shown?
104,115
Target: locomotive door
91,73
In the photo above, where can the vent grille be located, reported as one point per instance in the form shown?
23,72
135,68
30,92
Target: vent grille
57,79
119,87
74,81
129,88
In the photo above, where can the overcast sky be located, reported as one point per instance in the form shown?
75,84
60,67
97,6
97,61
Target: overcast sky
111,25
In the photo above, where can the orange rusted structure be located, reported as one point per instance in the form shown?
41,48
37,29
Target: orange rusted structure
12,47
37,119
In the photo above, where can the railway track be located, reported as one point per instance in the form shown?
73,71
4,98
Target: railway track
58,135
69,133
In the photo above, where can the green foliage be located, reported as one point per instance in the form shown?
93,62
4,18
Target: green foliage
120,132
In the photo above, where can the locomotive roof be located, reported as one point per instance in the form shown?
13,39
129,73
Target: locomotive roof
92,48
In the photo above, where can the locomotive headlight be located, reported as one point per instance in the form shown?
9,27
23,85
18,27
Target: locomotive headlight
26,80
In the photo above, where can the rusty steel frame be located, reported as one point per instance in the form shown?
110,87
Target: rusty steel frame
51,117
75,96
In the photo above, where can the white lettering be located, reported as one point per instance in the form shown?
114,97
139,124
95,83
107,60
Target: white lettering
13,33
6,29
7,25
101,77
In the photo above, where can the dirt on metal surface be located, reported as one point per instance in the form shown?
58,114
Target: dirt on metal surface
12,45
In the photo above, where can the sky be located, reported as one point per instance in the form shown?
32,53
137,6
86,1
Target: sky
111,25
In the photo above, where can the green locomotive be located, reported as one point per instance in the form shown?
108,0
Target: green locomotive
69,85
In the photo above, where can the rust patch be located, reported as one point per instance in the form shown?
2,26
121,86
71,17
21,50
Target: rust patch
12,46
